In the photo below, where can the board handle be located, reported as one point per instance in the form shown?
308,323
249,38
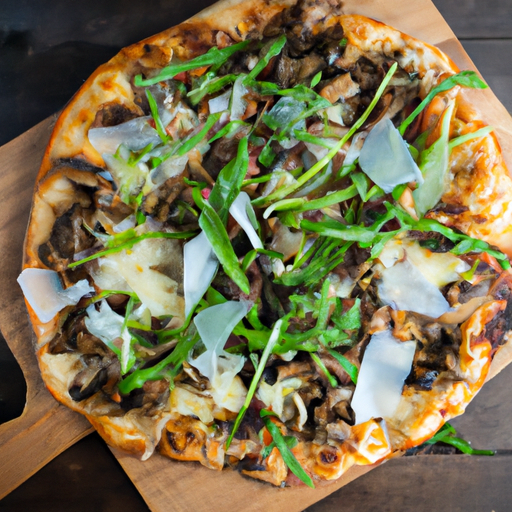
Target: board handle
44,430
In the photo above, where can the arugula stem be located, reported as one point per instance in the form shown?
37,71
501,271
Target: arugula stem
130,243
272,340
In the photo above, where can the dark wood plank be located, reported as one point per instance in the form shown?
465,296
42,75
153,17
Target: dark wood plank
493,58
471,19
86,477
428,483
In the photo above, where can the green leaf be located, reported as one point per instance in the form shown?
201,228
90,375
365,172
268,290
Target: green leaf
274,50
464,78
198,137
335,229
230,129
434,165
361,182
229,181
284,450
167,368
447,434
209,86
398,191
305,136
332,380
291,442
127,359
213,227
316,79
160,128
349,367
213,56
349,321
462,139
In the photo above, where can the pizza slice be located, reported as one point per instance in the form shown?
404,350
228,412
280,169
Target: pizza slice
275,237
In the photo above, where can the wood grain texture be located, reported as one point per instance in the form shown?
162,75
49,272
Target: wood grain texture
45,428
430,483
163,484
472,19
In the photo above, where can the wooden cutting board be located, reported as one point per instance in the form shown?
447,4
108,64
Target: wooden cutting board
45,428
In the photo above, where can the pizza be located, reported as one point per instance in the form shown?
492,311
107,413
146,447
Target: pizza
275,237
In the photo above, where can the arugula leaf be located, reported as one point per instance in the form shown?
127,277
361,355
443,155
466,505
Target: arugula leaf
284,450
213,56
291,442
198,137
464,78
465,243
230,129
349,367
434,165
209,86
447,434
332,380
349,321
213,227
329,253
274,50
316,79
305,136
160,128
127,358
462,139
167,368
229,182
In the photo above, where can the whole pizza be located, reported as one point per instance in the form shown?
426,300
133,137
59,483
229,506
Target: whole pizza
274,237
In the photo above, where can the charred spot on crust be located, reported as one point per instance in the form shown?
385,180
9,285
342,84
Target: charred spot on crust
112,114
329,455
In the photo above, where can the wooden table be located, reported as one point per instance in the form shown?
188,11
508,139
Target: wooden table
46,51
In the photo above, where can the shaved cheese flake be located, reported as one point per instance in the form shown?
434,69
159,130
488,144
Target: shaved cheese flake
392,252
405,288
44,292
219,103
104,323
135,134
214,326
238,211
440,268
169,168
386,364
385,158
355,148
128,223
200,265
238,103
